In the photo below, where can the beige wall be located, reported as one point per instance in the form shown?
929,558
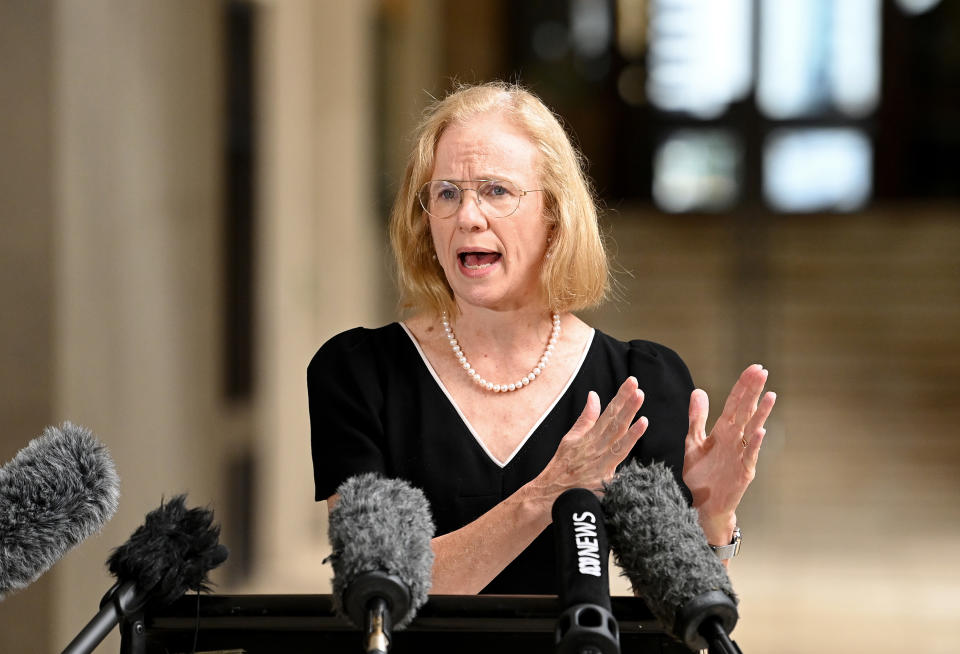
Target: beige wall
320,258
136,202
112,213
26,276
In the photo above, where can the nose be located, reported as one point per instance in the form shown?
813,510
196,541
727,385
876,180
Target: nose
470,216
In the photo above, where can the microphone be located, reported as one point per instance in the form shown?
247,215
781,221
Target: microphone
658,542
380,532
169,554
587,624
58,490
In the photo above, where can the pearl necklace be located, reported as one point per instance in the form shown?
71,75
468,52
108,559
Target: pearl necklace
502,388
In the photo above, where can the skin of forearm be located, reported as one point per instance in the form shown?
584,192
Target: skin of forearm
469,558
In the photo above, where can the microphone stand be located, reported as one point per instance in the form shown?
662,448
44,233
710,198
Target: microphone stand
717,638
122,601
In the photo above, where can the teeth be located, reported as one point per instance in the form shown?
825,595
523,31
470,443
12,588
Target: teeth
480,267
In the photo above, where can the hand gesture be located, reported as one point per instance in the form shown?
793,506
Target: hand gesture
597,443
718,468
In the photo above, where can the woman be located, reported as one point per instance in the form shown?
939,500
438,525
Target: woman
493,397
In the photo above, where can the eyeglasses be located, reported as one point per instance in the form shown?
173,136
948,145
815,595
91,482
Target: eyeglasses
496,198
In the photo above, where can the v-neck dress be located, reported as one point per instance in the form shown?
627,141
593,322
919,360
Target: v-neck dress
376,405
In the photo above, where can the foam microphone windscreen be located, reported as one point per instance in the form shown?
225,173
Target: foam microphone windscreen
58,490
658,542
381,526
170,553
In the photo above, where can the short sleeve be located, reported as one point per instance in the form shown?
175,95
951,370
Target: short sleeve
667,384
346,401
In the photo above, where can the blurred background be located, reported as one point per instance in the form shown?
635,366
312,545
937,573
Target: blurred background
193,196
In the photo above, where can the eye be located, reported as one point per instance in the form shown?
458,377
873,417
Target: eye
445,192
497,189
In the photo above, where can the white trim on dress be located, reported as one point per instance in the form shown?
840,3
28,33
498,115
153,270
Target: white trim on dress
476,436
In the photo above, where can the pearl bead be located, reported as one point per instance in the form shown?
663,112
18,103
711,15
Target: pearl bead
502,388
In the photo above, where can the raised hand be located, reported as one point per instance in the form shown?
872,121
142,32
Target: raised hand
597,443
718,468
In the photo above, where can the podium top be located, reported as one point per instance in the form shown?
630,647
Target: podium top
272,623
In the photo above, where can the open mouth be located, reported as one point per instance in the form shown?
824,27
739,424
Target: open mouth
478,260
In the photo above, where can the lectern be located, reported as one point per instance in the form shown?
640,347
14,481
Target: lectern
288,624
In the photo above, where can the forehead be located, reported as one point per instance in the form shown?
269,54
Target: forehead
486,145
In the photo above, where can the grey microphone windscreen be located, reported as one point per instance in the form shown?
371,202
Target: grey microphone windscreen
58,490
381,525
658,542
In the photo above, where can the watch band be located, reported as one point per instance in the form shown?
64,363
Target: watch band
731,550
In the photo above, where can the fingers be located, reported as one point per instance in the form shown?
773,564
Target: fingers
741,404
588,417
622,407
755,431
623,445
760,416
752,451
612,430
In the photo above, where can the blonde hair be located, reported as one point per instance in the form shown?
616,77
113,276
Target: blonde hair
575,275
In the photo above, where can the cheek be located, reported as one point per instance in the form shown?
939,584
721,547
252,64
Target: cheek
439,235
433,233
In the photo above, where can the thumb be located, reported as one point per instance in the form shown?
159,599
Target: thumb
699,408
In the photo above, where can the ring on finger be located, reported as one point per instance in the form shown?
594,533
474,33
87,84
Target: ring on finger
743,441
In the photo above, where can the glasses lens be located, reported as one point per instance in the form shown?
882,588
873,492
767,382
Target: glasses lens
499,198
439,199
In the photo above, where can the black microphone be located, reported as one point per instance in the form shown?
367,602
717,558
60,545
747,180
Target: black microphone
169,554
587,624
380,532
58,490
657,540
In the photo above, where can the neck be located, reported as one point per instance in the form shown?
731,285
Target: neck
509,338
503,331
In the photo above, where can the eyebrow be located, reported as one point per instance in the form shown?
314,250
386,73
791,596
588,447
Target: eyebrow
498,178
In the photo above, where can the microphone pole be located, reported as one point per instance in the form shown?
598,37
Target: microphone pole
122,601
586,625
169,554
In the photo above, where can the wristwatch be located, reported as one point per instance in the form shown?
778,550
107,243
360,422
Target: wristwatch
731,550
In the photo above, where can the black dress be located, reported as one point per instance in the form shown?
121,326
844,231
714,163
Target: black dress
377,406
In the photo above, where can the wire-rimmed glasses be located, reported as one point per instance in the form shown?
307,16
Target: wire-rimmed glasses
497,198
